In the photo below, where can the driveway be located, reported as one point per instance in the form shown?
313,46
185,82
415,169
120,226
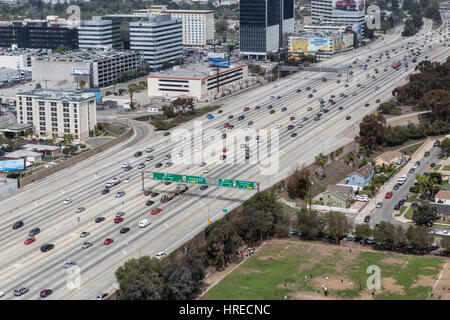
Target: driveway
386,212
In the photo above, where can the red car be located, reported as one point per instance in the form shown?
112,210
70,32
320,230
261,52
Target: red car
388,195
118,219
45,293
246,108
29,240
155,211
333,102
226,125
108,241
292,118
224,150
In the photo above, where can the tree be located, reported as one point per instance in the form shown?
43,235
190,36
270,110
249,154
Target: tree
254,225
178,281
321,160
38,86
62,48
445,146
168,111
363,231
221,26
132,88
371,130
68,138
308,223
82,84
418,236
298,183
222,242
424,215
384,233
336,224
438,102
445,243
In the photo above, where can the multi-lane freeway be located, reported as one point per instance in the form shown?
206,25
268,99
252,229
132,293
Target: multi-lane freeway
41,204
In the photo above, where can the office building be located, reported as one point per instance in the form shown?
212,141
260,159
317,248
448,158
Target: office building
262,25
199,81
198,25
54,113
343,12
96,68
98,33
159,38
37,35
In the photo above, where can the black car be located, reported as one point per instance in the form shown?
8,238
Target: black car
166,133
47,247
105,191
293,134
219,111
257,107
325,110
272,112
149,202
411,170
427,153
269,107
124,230
348,118
341,108
127,168
283,109
367,219
18,224
159,164
305,119
396,186
34,231
203,187
224,135
298,90
99,219
308,88
367,104
431,248
417,163
241,117
250,123
223,157
290,127
230,116
138,154
437,143
310,95
401,202
155,194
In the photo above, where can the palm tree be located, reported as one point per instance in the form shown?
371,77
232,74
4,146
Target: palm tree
350,157
132,88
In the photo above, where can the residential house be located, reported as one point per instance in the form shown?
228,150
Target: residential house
361,177
387,158
337,196
443,210
442,197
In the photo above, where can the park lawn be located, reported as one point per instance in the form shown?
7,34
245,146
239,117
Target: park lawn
400,212
409,213
411,149
262,275
411,198
446,168
437,167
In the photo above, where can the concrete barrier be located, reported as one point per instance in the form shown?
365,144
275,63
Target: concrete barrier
43,173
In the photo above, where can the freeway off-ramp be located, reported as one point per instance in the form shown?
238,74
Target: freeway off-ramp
41,204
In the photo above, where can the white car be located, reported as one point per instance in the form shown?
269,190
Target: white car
2,294
68,200
127,180
49,165
363,198
180,154
206,170
125,164
144,223
278,126
160,255
197,149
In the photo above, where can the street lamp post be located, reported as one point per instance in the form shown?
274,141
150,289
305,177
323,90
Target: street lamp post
310,197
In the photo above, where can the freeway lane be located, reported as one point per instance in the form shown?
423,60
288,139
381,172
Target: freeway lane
180,218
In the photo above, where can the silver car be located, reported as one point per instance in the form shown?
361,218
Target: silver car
120,214
80,209
120,194
86,245
69,264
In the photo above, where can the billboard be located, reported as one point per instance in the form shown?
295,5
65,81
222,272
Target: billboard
218,62
347,40
12,165
216,55
211,42
312,44
357,27
348,8
81,71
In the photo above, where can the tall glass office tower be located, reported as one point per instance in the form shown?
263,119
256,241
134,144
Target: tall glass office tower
262,25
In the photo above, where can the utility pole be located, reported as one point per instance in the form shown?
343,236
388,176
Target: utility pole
310,197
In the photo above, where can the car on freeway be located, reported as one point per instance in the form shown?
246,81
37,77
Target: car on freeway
257,107
18,224
80,209
388,195
124,230
293,134
29,240
86,245
283,109
118,220
47,247
154,194
101,296
367,104
310,95
341,108
168,164
250,123
314,91
166,134
69,264
433,165
230,116
150,149
105,191
203,187
160,255
45,293
308,88
128,168
272,112
298,90
411,170
68,200
108,241
99,219
309,109
226,125
143,223
305,118
299,125
120,194
138,154
241,117
34,232
202,164
348,118
84,234
224,135
290,127
149,158
125,164
141,165
246,109
158,165
156,211
149,202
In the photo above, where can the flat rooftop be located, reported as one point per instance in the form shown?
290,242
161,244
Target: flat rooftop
85,55
21,51
13,127
55,94
192,71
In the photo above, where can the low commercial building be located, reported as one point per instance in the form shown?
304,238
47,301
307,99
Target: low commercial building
29,156
96,68
54,113
18,58
44,149
198,81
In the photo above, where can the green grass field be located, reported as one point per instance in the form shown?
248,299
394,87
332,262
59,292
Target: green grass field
262,276
446,168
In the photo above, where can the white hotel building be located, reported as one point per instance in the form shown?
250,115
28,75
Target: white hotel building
159,39
56,113
198,25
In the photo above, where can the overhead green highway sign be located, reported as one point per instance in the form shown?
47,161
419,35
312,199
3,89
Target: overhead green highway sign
225,183
167,177
245,184
194,179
